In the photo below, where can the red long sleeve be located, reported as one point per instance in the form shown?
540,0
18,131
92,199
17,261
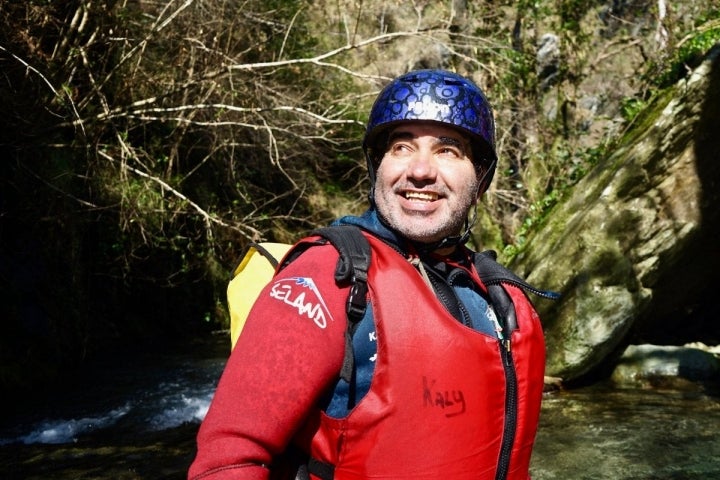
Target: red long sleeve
288,355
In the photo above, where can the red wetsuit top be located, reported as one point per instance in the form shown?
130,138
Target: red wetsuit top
437,403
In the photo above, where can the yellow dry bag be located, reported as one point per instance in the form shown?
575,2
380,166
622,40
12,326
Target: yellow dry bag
256,269
260,261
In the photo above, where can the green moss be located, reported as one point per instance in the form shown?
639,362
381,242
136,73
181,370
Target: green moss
644,118
687,56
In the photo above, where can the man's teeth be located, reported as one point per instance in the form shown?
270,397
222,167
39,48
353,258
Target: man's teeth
422,196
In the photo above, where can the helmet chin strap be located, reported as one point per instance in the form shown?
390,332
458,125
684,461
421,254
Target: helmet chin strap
469,224
455,240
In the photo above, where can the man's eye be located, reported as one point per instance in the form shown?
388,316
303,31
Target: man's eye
449,151
400,147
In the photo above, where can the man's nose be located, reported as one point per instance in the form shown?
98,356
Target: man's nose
423,166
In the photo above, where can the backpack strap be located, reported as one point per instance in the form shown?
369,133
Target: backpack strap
352,267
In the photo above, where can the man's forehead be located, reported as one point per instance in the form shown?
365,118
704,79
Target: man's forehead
418,129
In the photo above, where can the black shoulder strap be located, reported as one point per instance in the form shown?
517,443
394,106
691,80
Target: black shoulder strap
493,276
352,268
492,273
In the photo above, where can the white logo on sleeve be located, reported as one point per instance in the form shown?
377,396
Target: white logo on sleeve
302,294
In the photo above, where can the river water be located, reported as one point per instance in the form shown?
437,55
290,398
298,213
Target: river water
135,417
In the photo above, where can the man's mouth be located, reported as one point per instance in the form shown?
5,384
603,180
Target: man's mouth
421,196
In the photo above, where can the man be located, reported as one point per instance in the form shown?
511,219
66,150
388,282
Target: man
448,373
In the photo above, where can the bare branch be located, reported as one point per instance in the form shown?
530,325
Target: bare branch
247,232
229,108
287,32
143,43
58,189
61,94
318,60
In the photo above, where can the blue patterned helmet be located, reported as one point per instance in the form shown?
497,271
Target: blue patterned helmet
433,95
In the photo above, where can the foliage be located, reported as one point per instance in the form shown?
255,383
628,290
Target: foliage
685,57
574,168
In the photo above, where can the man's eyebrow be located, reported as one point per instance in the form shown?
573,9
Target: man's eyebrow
451,142
442,140
400,134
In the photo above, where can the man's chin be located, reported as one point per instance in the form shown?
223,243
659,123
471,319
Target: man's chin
417,226
422,234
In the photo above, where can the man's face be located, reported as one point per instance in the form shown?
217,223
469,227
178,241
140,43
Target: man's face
426,181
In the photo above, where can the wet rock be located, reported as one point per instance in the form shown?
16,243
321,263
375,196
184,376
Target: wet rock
633,247
641,364
548,60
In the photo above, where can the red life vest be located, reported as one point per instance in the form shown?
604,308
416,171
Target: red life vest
437,403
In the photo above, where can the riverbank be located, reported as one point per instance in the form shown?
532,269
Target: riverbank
136,419
162,455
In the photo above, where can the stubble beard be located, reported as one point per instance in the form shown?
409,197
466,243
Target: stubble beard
418,231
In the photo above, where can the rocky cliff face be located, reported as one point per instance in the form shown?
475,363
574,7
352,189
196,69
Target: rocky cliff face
634,248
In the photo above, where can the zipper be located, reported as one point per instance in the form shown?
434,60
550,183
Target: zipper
511,406
508,324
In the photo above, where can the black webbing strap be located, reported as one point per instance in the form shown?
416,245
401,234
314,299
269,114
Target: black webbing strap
352,267
321,469
493,276
263,251
353,264
492,273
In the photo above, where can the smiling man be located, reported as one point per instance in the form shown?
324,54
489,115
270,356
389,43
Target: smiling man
425,180
447,361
